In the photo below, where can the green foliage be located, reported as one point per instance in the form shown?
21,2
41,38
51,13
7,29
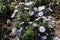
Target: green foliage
28,34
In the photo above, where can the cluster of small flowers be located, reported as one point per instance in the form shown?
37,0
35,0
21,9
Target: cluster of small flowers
39,14
16,10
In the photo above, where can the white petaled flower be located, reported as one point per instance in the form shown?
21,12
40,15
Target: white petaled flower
42,29
21,3
40,13
30,22
26,8
41,8
34,24
31,13
56,38
35,9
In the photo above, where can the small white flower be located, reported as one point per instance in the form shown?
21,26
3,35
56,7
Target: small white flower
42,29
41,8
56,38
31,13
34,24
26,8
21,3
30,22
8,21
35,9
40,13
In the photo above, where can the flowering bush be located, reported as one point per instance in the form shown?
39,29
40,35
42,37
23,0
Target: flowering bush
30,20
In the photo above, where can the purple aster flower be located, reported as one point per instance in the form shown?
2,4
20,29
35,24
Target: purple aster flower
39,14
20,31
42,29
31,13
